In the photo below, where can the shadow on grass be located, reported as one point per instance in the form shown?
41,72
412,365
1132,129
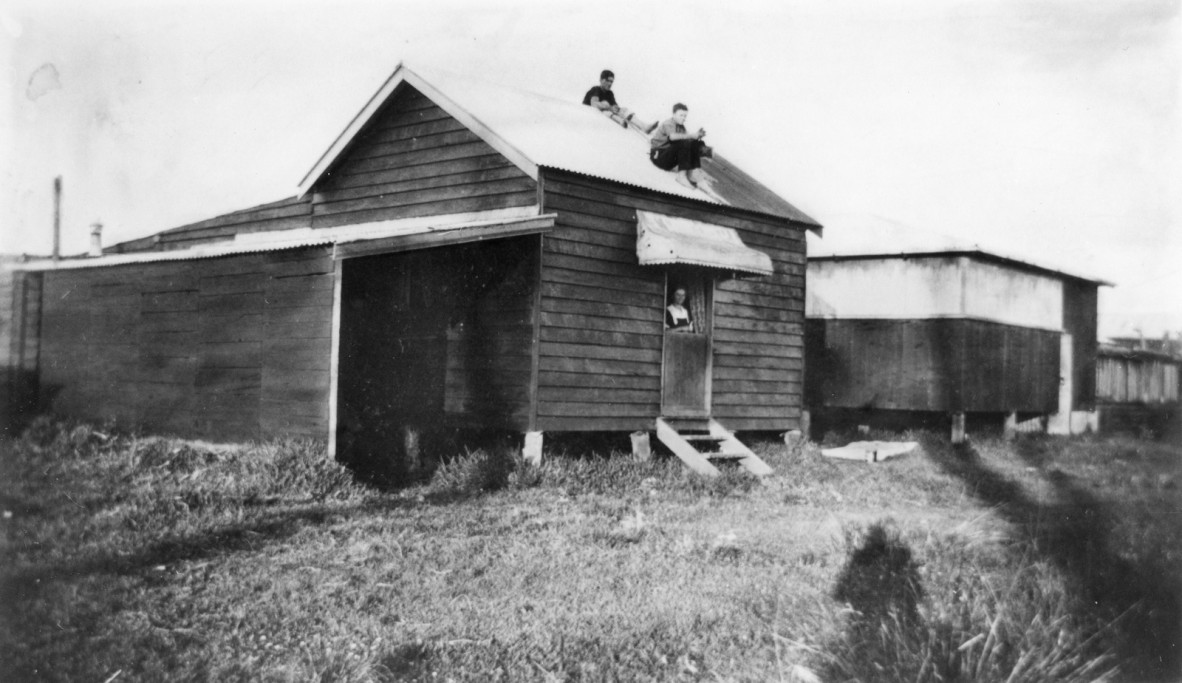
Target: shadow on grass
1073,534
249,537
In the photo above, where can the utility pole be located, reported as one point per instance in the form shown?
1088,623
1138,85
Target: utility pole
57,218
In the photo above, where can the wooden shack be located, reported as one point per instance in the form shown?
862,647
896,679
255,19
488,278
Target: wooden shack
1137,388
463,254
950,334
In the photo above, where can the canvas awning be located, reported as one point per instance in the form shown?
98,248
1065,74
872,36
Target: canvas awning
665,240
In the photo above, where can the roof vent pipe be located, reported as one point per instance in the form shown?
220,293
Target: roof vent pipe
96,239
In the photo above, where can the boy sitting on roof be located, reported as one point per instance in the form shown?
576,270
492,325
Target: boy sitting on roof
602,98
673,147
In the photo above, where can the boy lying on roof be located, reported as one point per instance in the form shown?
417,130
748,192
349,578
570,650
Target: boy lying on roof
602,98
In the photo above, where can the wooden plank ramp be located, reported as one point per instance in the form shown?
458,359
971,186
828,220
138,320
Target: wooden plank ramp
700,443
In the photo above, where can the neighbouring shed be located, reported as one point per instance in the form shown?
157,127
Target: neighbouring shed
464,254
950,332
1137,388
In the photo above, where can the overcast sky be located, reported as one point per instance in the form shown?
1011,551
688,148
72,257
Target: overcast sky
1045,129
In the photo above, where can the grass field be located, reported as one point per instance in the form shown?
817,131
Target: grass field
127,558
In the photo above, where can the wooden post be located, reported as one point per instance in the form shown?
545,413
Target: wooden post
532,451
410,446
958,428
641,447
1010,428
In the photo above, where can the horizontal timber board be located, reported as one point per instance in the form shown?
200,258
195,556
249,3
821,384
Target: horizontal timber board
729,348
794,329
753,399
601,323
552,378
722,412
602,338
599,366
232,284
595,265
375,147
429,182
756,361
724,373
459,166
735,386
639,422
562,408
748,336
607,297
624,283
430,196
556,244
790,315
548,348
427,156
411,130
590,395
461,205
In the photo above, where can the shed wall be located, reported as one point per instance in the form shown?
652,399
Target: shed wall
227,348
934,287
602,316
1011,296
1138,380
1080,311
944,365
20,318
885,288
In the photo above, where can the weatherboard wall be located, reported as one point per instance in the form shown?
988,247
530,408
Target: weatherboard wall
413,159
226,348
936,364
601,315
20,304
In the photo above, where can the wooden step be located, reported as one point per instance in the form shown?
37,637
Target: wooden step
672,433
703,437
724,455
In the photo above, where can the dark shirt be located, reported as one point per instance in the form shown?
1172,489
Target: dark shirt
603,95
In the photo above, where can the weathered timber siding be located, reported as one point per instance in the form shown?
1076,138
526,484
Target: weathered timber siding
1079,320
226,348
601,316
932,365
413,159
1130,378
20,319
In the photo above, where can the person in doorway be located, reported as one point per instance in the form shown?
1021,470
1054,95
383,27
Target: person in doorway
673,147
602,98
677,316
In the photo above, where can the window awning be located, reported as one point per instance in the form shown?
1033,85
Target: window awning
665,240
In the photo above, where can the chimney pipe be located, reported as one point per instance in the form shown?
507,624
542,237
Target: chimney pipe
57,218
96,238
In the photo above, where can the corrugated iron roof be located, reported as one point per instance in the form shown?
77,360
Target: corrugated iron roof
299,238
877,238
534,131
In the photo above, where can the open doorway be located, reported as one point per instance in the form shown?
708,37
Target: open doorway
687,358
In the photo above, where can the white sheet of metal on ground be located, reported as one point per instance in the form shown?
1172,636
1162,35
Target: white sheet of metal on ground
870,451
